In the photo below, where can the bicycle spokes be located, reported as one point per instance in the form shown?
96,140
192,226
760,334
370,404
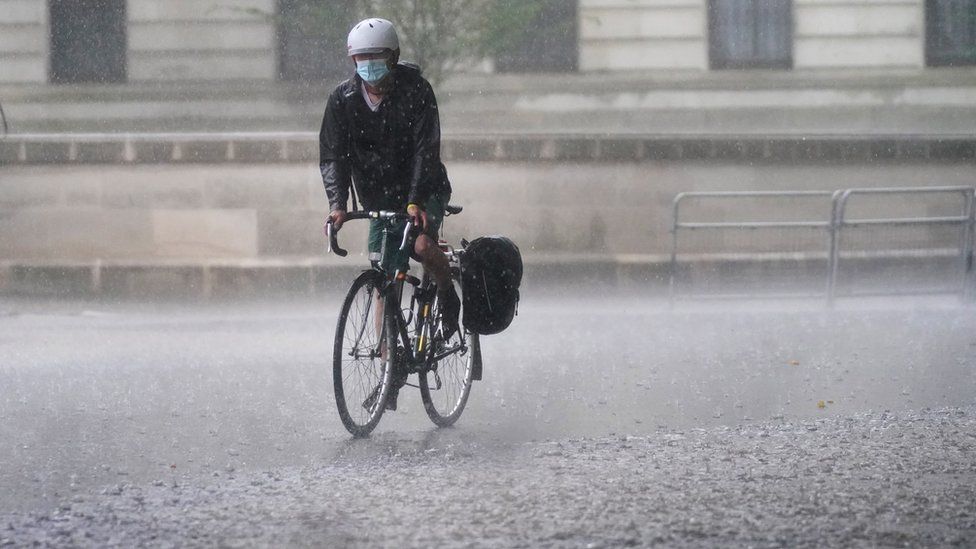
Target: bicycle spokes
361,365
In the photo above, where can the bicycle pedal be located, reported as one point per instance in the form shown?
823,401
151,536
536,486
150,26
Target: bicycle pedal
370,401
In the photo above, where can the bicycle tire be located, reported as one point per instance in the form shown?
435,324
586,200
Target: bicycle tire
445,401
362,371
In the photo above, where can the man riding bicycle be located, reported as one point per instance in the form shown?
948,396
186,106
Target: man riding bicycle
381,129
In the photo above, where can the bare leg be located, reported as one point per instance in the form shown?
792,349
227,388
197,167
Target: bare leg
433,260
437,264
378,324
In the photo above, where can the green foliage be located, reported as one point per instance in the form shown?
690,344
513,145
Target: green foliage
505,23
329,20
438,35
434,34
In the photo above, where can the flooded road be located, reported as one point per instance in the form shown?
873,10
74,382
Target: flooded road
603,419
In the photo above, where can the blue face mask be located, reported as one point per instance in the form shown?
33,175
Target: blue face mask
372,71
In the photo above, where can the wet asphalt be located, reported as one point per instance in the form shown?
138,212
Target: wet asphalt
603,420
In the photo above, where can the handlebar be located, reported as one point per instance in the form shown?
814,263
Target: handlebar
392,216
449,209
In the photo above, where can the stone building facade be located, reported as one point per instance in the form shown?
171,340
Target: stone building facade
800,34
44,41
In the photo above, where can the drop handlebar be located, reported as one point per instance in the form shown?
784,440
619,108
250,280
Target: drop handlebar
333,233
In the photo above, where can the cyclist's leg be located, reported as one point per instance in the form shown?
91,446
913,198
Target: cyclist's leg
436,263
435,213
426,249
374,245
391,260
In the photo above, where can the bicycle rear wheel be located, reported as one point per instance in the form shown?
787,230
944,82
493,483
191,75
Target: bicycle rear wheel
362,369
446,385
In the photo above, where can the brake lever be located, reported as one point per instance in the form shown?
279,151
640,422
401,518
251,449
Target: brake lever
406,235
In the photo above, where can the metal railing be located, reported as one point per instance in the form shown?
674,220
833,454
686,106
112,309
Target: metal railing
3,119
838,221
965,221
677,225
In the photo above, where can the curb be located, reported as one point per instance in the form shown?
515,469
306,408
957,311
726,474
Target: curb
696,276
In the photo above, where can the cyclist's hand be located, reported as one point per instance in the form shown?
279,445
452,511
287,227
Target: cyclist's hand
418,216
337,217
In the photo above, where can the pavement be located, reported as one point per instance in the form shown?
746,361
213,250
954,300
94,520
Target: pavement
837,482
605,419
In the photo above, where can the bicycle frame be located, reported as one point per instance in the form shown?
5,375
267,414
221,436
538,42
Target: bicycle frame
404,339
419,352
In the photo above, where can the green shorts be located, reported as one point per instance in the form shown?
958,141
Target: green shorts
394,259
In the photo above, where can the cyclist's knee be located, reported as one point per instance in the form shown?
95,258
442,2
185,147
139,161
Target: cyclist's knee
423,245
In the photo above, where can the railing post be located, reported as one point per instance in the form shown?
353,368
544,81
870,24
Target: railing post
672,268
834,252
968,236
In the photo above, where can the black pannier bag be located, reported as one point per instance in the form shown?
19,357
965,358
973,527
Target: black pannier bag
491,272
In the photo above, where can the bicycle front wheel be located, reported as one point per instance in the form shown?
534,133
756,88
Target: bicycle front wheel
362,367
446,384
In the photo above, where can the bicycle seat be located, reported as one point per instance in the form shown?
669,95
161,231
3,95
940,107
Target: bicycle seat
451,209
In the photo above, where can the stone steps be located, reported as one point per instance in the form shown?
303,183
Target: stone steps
927,101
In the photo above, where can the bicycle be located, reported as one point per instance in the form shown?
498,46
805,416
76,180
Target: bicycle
379,343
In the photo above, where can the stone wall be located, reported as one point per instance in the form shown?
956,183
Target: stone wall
248,212
858,33
187,229
23,41
642,34
673,34
168,40
201,40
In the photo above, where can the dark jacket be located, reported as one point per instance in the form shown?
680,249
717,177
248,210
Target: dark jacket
393,154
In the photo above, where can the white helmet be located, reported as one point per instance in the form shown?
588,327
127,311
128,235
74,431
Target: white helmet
372,36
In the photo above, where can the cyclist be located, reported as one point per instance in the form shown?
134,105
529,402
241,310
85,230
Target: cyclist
381,130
